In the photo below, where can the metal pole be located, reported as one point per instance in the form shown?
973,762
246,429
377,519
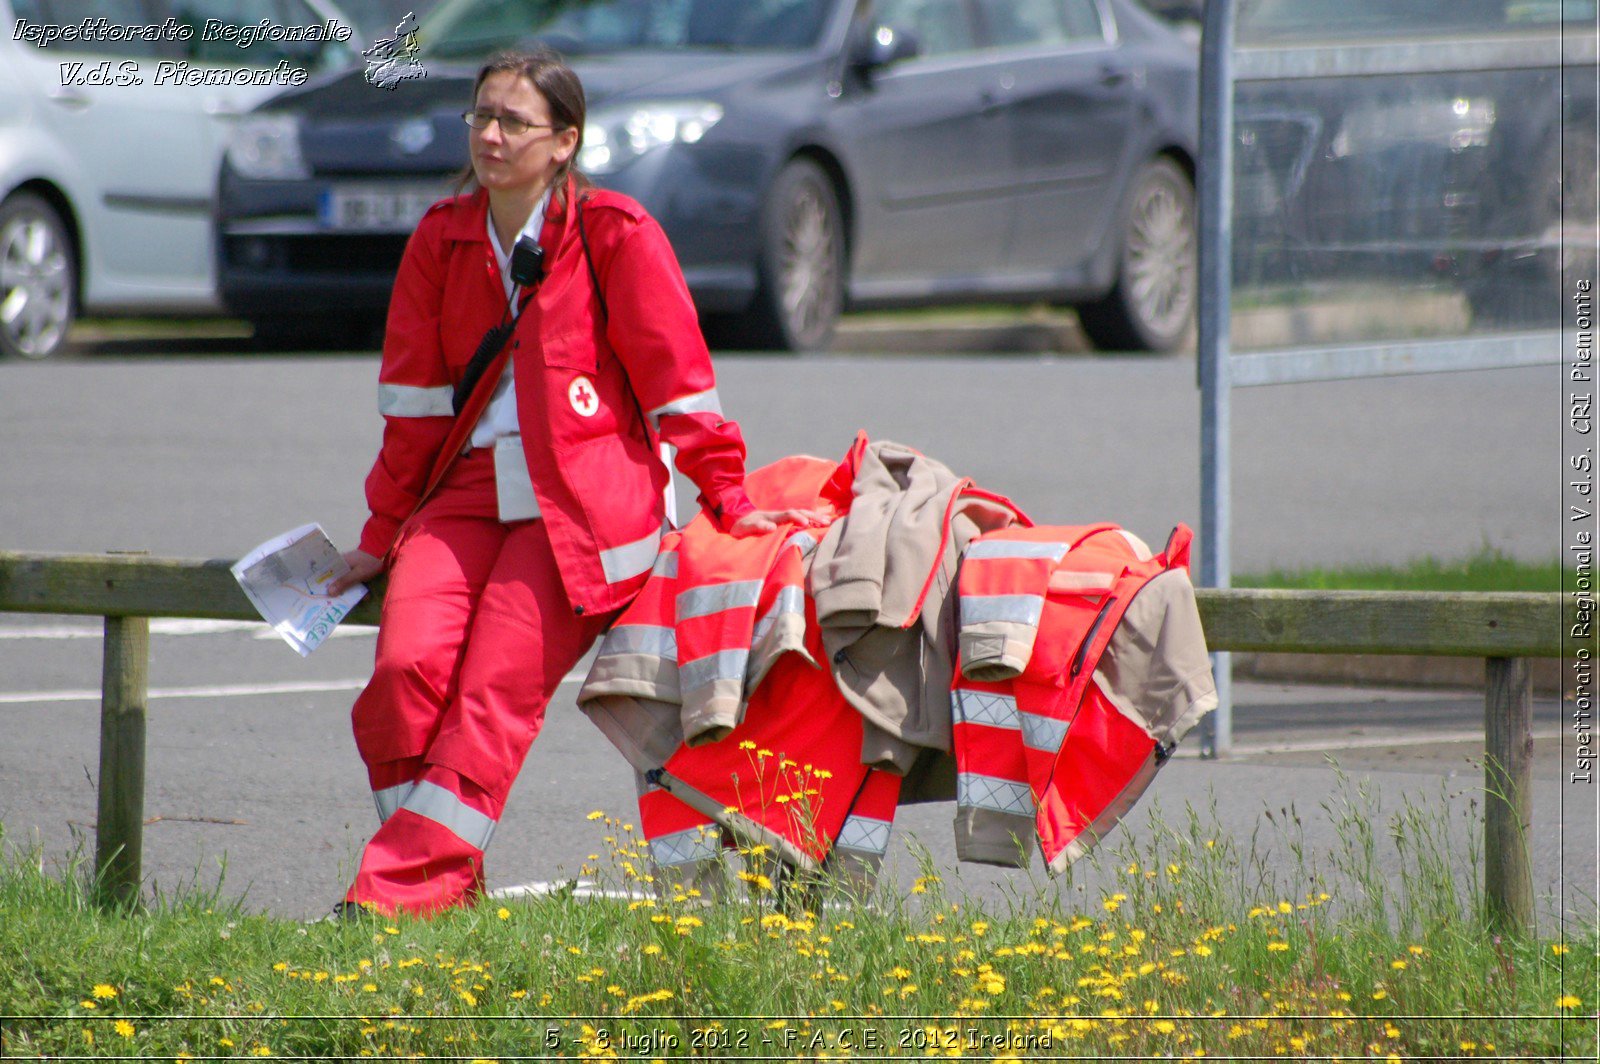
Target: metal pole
119,829
1215,190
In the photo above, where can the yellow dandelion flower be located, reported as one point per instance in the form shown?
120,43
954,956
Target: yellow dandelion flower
103,990
1165,1026
124,1028
1558,949
1277,947
1568,1002
503,913
1398,966
261,1051
86,1003
979,928
1415,951
1379,995
597,815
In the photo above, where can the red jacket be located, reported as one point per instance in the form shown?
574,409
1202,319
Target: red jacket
594,391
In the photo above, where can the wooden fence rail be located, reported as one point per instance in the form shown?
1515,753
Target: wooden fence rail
1506,629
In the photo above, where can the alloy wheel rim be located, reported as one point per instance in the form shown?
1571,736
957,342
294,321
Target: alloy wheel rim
809,265
35,296
1161,266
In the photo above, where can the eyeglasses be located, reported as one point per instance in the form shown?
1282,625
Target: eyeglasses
510,125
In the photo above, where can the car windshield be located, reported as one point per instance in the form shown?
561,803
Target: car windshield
472,29
1270,20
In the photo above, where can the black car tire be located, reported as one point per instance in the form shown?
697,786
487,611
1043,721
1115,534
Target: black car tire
38,278
1151,306
800,274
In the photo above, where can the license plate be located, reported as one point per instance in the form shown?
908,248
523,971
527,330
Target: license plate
376,208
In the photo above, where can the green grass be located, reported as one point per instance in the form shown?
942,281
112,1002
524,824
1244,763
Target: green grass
1200,942
1488,570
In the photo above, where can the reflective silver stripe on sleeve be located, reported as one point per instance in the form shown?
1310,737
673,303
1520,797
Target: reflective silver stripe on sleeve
984,707
699,403
714,598
1043,733
440,806
403,400
666,564
1014,548
641,639
390,798
686,847
1019,609
791,600
630,559
723,665
805,541
865,834
990,792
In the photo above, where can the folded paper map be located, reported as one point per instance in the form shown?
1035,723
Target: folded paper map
286,579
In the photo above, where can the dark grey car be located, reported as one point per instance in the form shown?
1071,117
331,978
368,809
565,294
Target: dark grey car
802,155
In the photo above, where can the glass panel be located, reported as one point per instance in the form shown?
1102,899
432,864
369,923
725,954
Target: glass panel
1440,191
475,28
1014,22
942,27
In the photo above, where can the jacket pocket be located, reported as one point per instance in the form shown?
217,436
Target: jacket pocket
570,351
618,484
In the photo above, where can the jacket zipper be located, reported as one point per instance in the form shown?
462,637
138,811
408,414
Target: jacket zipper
1083,647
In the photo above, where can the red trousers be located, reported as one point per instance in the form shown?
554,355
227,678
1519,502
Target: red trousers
476,635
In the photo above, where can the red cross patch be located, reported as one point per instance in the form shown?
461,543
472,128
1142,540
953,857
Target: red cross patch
580,393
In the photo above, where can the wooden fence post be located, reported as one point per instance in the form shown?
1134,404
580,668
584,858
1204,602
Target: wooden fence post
119,831
1508,799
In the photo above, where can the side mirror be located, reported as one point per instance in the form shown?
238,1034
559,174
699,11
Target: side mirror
884,45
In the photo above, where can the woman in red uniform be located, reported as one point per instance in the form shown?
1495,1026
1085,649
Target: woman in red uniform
516,527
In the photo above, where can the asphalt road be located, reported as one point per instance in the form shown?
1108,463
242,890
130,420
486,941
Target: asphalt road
250,761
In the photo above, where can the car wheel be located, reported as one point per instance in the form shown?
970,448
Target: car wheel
1151,306
38,278
800,274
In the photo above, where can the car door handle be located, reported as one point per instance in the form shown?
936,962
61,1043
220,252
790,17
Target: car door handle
67,96
1111,76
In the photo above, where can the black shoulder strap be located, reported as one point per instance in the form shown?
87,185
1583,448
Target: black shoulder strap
588,257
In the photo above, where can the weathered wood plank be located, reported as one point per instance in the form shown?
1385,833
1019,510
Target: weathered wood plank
132,586
1464,624
1508,795
119,827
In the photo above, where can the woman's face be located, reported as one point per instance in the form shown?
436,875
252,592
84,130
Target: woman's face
527,161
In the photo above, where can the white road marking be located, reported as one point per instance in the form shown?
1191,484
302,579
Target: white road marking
241,690
166,626
581,888
1371,742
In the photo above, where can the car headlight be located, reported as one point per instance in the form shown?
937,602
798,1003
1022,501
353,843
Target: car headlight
615,136
267,146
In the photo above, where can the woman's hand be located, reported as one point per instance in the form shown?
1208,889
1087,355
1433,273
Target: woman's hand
363,567
757,522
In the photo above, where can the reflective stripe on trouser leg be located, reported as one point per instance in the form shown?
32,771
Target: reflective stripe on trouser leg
429,854
391,781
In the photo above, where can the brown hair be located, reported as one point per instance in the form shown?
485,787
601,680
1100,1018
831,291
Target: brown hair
553,79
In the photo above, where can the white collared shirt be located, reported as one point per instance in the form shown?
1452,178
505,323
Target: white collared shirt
500,416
